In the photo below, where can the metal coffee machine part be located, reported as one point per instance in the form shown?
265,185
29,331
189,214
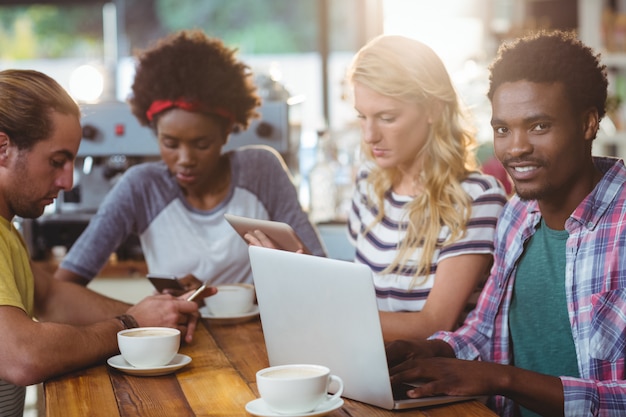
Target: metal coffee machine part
112,142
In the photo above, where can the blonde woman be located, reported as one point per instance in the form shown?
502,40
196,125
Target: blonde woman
423,217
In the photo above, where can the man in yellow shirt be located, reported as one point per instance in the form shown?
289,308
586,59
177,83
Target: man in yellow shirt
40,133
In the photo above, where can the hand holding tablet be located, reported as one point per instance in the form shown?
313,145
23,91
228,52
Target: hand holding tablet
279,235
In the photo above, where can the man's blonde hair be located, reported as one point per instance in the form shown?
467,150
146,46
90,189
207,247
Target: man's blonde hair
27,100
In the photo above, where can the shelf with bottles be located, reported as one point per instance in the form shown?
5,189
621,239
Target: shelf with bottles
602,26
614,60
331,179
611,138
610,142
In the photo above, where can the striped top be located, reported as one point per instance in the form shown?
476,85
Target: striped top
378,248
12,399
595,291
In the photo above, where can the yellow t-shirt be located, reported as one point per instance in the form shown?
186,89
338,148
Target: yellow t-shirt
17,284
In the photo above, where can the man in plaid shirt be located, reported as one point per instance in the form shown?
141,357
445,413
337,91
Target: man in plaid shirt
548,336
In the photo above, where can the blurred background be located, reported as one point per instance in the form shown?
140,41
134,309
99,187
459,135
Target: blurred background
299,51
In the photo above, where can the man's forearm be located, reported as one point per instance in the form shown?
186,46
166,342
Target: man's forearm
74,304
540,393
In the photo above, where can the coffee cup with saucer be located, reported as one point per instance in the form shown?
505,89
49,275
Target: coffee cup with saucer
148,347
296,390
231,300
149,351
258,408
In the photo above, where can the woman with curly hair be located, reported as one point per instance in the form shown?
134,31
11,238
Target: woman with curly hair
422,216
192,92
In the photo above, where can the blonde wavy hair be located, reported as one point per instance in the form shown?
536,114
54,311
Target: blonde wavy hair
410,71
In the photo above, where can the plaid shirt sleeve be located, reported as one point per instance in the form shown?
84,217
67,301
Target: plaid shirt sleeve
596,292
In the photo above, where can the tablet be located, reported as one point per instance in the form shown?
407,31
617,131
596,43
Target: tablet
281,234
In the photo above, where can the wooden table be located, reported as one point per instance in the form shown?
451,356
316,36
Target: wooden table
219,381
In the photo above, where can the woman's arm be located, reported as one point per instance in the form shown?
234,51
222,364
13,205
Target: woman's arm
63,274
456,278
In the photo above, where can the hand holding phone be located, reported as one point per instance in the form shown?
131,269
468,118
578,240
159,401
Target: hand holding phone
166,283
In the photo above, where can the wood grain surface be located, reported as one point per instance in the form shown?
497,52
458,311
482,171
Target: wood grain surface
219,381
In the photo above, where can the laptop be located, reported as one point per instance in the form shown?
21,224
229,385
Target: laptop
323,311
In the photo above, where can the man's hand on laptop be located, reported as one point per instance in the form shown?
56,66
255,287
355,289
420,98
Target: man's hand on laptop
427,368
401,351
433,364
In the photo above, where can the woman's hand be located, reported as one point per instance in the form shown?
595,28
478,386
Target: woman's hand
258,238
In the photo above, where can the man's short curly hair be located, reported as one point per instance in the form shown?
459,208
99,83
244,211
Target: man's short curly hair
190,65
553,56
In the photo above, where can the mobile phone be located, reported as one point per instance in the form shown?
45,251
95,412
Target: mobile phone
283,236
197,292
165,282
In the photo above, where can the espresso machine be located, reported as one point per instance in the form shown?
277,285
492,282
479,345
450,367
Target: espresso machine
113,140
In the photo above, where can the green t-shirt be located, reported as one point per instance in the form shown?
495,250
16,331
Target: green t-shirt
541,334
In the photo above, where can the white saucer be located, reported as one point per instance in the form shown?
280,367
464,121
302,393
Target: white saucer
178,362
237,318
260,409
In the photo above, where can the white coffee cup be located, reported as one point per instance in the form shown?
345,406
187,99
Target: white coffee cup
148,347
298,388
231,300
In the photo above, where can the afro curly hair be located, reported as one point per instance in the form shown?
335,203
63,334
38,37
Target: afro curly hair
549,57
191,66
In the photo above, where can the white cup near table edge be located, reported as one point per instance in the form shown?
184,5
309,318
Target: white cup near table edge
146,347
297,388
231,300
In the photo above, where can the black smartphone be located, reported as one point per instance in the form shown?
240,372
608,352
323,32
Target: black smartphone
162,282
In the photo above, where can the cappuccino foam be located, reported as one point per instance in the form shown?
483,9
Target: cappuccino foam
148,333
293,373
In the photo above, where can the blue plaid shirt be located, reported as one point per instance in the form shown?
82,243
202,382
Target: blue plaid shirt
595,281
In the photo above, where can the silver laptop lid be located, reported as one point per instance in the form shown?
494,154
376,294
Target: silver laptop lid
323,311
